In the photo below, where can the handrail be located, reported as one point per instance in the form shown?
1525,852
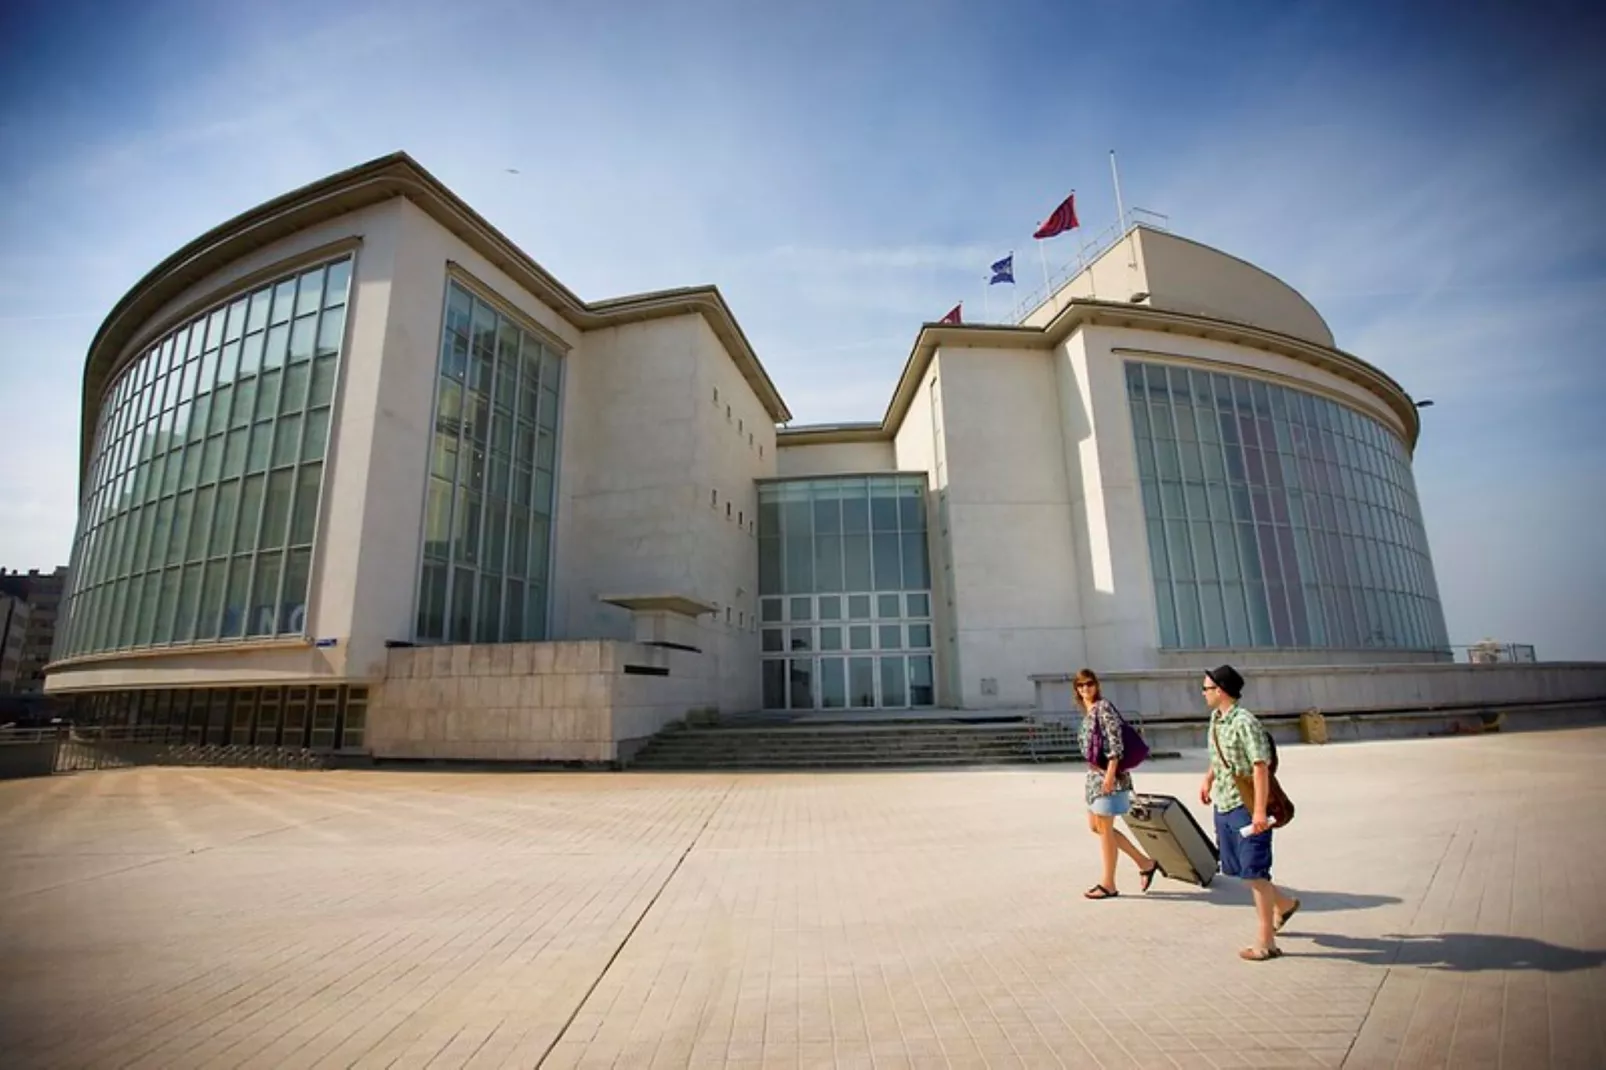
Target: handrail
1086,254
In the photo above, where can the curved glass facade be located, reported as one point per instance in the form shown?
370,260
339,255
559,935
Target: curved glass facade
1277,518
844,583
492,465
201,497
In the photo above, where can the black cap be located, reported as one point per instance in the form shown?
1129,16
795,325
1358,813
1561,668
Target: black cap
1226,677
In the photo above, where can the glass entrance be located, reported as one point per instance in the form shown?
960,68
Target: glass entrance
853,651
845,594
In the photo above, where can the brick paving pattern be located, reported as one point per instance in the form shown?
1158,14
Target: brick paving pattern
1454,891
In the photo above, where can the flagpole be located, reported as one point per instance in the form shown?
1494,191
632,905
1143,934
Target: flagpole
987,298
1120,210
1048,288
1132,253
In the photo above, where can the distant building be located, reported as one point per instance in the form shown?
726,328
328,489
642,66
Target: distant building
42,592
14,614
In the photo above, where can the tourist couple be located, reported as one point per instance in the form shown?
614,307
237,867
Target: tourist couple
1239,748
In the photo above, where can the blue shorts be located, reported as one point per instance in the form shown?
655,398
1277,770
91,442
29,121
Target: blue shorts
1246,857
1112,805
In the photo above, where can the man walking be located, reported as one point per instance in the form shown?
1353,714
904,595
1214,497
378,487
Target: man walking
1239,748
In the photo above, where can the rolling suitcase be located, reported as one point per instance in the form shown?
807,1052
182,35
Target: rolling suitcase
1167,832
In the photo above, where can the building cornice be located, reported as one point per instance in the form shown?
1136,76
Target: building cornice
389,177
1082,312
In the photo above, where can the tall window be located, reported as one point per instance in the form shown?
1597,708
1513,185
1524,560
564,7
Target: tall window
202,494
1278,518
845,593
488,511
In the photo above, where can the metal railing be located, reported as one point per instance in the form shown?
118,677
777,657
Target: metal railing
1053,736
1087,252
77,749
1490,653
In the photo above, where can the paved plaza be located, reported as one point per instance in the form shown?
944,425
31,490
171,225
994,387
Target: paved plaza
1454,891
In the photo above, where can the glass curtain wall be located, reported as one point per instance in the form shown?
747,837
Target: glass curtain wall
201,498
1278,518
845,593
488,512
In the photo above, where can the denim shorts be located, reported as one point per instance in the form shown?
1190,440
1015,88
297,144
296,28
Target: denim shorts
1246,857
1112,805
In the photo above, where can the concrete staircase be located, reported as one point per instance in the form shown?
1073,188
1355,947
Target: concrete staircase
891,740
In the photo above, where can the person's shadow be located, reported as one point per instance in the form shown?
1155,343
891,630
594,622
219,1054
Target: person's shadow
1232,891
1455,952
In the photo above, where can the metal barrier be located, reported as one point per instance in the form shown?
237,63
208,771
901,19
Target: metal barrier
1053,736
1490,652
79,749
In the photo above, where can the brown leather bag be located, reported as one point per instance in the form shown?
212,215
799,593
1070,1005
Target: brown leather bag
1279,807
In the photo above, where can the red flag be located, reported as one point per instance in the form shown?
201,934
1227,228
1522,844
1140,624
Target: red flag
1063,219
953,314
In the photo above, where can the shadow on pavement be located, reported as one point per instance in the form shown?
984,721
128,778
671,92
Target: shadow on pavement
1457,952
1229,891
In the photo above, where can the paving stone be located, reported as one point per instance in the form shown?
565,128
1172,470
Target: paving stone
1454,891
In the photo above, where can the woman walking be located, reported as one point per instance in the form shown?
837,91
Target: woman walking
1240,764
1109,788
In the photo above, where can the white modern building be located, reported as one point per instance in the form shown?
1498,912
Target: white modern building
358,472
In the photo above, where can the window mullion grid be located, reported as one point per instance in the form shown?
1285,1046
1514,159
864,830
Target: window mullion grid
1269,455
1177,416
1168,414
1204,522
526,340
497,371
227,549
1254,532
1150,406
449,597
182,539
157,562
297,461
1223,569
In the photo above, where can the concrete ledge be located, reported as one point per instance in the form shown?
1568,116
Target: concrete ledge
591,702
1173,694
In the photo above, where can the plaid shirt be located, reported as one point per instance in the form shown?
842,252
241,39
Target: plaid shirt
1244,742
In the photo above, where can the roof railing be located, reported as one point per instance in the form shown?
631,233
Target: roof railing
1087,252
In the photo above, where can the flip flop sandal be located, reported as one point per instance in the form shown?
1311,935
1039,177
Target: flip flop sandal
1098,891
1260,954
1282,919
1146,878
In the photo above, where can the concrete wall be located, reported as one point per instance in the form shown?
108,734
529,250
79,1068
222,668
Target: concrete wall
629,500
921,446
1174,694
1115,600
657,489
545,702
1009,521
733,449
1186,276
835,458
1115,276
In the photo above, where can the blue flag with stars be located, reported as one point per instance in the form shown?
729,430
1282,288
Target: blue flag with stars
1003,271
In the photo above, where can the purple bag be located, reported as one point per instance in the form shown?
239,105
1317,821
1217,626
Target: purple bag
1134,751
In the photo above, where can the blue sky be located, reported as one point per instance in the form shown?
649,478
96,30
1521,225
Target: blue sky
1429,174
